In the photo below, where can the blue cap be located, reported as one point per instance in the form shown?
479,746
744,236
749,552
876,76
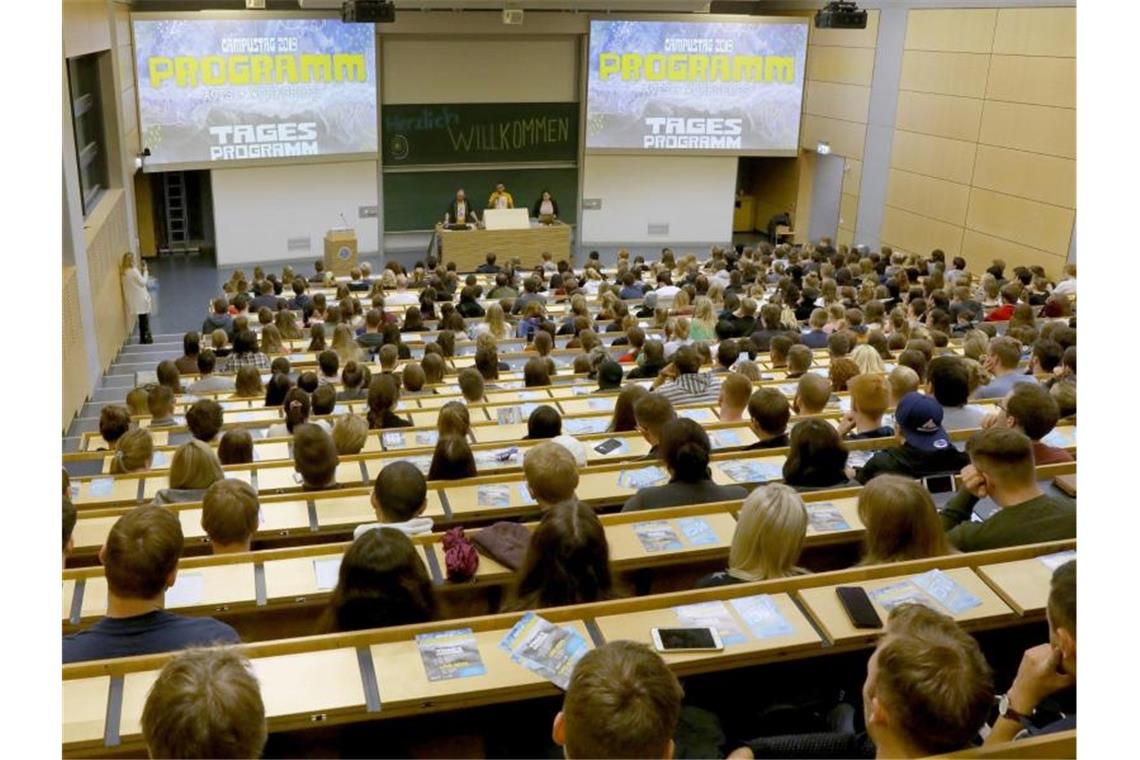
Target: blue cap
919,417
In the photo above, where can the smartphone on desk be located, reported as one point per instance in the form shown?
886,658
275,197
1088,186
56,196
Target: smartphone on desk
858,607
608,445
687,640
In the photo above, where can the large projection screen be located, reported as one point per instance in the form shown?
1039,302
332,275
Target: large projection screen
724,85
219,90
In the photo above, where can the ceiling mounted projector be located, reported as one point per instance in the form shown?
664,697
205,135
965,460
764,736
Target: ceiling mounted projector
368,12
841,14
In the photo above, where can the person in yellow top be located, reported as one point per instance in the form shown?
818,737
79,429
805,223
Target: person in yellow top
501,198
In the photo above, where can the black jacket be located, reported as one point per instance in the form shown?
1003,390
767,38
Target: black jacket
912,462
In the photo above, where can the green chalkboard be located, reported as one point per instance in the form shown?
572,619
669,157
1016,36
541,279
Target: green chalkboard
417,200
479,133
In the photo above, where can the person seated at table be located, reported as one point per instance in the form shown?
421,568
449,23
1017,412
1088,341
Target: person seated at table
630,675
685,452
536,373
1048,672
903,380
551,474
925,449
500,198
297,406
735,393
609,376
651,414
800,359
205,703
812,394
399,498
314,457
769,535
207,381
816,457
193,468
1002,361
544,423
413,377
381,582
768,415
70,515
546,206
623,419
471,385
383,393
218,319
245,353
452,459
349,434
928,691
460,210
901,522
1032,410
134,452
160,404
140,562
204,419
114,422
567,560
948,381
682,382
1001,469
188,362
650,361
235,447
230,516
870,396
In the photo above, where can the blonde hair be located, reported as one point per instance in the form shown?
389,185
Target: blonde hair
704,314
271,341
769,535
681,300
133,452
194,465
496,321
345,344
867,359
349,434
901,521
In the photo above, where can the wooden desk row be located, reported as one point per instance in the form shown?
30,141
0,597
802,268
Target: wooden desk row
229,584
378,674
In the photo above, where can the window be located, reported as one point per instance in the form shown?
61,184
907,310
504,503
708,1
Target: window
87,118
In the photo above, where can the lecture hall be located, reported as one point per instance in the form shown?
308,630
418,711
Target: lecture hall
540,378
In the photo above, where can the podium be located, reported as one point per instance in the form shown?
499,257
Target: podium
340,251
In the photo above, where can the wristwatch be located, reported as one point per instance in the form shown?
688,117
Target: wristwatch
1005,710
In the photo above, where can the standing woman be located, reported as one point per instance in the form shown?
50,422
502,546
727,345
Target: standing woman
136,295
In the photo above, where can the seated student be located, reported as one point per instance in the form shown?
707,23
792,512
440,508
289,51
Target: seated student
567,560
1047,669
812,394
453,419
870,396
799,361
167,374
769,412
609,376
778,349
235,447
349,434
134,452
544,422
535,373
204,418
205,703
1065,394
1001,468
308,382
1032,410
735,392
685,454
114,422
160,404
1009,295
140,561
650,362
414,379
769,535
903,380
297,407
948,380
1002,361
207,381
1046,357
328,362
314,457
382,582
928,691
471,385
682,382
925,450
630,675
452,459
399,497
551,474
651,413
372,338
70,515
247,384
136,401
727,355
323,401
816,457
383,393
901,522
623,419
230,516
193,468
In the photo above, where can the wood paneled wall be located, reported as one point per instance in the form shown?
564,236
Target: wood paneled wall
107,239
837,95
983,162
75,388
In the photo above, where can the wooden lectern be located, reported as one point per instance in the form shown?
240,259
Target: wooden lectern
340,251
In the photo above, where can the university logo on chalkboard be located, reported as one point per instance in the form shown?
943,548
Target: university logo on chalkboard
398,146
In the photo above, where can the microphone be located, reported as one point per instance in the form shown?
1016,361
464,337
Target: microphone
344,220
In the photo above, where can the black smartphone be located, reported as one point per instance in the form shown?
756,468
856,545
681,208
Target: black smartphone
939,483
858,606
608,445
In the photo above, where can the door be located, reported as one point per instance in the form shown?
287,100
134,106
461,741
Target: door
827,187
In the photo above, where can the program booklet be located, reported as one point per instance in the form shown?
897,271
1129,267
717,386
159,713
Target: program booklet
547,649
762,616
711,615
825,518
643,478
657,536
450,654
